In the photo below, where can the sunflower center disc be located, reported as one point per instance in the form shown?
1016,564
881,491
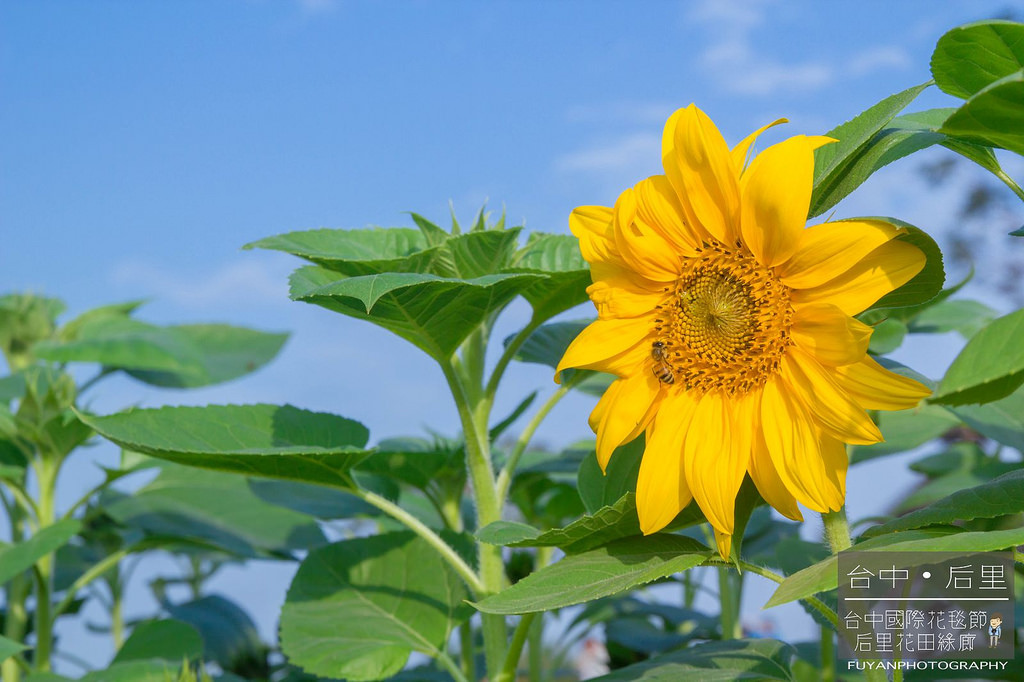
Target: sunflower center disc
726,326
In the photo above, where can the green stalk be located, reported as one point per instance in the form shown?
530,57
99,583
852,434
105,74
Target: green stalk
729,598
515,649
95,571
18,589
837,534
505,477
47,470
474,418
466,650
828,655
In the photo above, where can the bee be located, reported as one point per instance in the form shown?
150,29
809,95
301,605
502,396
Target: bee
662,369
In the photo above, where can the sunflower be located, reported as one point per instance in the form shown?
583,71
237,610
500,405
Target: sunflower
730,327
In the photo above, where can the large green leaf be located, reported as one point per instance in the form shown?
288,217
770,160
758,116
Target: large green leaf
737,659
970,57
994,116
258,440
902,136
599,489
434,313
134,671
963,316
315,500
124,343
224,352
357,252
824,576
547,344
229,635
1002,420
608,570
568,275
167,640
215,507
830,160
990,367
905,430
8,647
21,556
357,609
1003,496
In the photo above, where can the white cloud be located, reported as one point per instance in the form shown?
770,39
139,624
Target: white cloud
730,58
878,58
632,151
238,282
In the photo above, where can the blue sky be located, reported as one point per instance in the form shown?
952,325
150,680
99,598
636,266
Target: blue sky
142,144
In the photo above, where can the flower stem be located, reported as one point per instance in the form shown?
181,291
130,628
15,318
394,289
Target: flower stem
828,655
728,596
47,469
837,530
95,571
505,477
515,649
433,539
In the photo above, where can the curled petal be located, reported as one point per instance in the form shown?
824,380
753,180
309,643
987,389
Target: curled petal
888,267
603,342
641,247
876,388
658,207
741,152
699,166
592,225
625,413
828,250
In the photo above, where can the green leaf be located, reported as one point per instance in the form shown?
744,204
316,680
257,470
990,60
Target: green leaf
547,344
167,640
970,57
613,522
963,316
1002,420
357,252
219,508
568,275
21,556
223,351
134,671
257,440
905,430
357,609
993,116
1019,232
610,569
737,659
315,500
600,490
124,343
434,313
1001,497
902,136
229,635
831,159
926,284
824,576
8,647
990,367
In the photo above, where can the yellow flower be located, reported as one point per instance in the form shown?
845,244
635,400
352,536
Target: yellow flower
729,325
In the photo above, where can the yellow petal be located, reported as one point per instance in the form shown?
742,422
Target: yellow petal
661,489
592,225
618,297
741,152
602,342
658,206
828,250
642,248
876,388
835,411
888,267
627,414
724,543
697,163
776,192
830,335
716,454
809,471
766,478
